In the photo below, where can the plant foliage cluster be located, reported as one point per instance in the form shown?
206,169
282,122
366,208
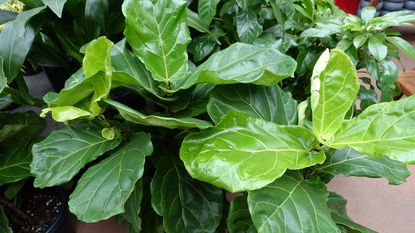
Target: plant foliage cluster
205,116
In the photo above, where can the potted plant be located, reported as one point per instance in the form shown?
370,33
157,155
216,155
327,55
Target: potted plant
221,138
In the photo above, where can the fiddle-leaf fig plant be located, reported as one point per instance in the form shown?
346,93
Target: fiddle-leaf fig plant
212,141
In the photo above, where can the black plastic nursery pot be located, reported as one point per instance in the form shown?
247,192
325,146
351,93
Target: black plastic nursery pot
47,211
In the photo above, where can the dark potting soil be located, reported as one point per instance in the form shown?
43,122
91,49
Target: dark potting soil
40,211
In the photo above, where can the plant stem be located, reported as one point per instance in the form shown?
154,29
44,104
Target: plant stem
13,208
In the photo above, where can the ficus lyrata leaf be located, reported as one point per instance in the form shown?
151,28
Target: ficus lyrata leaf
385,129
182,201
104,188
243,63
239,218
334,87
292,204
349,162
158,34
268,103
245,153
59,157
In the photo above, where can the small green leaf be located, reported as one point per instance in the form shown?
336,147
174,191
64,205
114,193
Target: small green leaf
207,10
247,26
334,87
158,34
105,187
377,47
359,41
133,208
268,103
291,204
239,218
337,205
16,127
136,117
64,152
55,5
351,163
246,153
182,201
243,63
367,14
402,44
385,129
4,222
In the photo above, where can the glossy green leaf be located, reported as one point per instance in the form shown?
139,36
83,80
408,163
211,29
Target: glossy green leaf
351,163
194,21
15,161
133,208
6,16
157,31
268,103
86,87
377,47
402,44
337,205
385,129
291,204
105,187
334,89
55,5
59,157
243,63
136,117
4,222
96,18
3,78
247,26
186,205
246,153
207,10
124,61
201,47
16,40
367,14
239,218
359,41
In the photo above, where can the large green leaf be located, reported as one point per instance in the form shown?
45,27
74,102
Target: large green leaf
186,205
55,5
82,91
291,204
246,153
247,26
337,205
64,152
239,218
207,10
243,63
385,129
16,40
124,61
133,208
334,89
4,222
136,117
351,163
96,18
157,31
105,187
268,103
15,161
